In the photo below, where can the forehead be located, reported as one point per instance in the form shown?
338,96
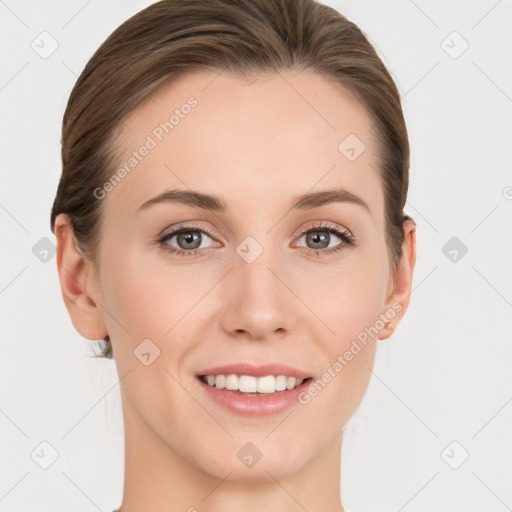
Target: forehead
270,136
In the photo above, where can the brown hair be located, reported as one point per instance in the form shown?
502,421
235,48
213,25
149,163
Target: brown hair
243,37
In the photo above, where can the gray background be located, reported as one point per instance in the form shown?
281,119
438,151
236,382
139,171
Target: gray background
445,376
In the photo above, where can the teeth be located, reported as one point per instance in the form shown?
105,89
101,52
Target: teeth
265,384
249,384
220,381
231,382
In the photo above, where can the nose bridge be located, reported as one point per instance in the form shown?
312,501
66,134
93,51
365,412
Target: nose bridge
259,302
254,270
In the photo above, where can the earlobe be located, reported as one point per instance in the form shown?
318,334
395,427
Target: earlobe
402,280
78,281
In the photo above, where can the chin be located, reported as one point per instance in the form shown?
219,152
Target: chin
258,460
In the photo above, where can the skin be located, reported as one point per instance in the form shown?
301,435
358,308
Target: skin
257,143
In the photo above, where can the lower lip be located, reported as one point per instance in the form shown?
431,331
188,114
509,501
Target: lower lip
255,406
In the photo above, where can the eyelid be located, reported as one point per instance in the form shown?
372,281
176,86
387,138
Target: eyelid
346,237
185,226
319,224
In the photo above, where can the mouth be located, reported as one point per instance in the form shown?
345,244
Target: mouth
251,396
250,385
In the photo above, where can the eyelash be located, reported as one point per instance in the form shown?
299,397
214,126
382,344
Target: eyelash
346,237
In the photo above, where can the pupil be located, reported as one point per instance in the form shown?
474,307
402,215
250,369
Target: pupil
316,237
189,238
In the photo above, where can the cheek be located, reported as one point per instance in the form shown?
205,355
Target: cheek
147,299
348,298
352,311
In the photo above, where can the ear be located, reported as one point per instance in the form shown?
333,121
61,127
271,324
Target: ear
400,294
79,283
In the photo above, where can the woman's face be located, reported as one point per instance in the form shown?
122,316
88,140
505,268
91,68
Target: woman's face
262,281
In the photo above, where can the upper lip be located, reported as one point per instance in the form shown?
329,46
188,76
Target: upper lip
255,370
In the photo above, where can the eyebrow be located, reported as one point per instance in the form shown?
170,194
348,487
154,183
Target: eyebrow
217,204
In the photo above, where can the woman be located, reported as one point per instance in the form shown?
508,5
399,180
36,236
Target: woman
230,223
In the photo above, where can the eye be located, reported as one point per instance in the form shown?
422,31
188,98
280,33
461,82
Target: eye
189,239
319,236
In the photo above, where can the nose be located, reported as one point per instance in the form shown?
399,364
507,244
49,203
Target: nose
258,303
